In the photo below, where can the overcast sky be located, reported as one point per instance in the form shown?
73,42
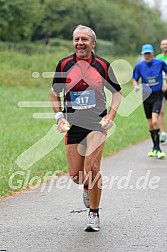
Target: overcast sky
163,4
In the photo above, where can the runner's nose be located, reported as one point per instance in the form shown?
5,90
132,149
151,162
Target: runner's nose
80,41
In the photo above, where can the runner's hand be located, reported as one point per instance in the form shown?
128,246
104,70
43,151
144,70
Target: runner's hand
136,88
63,125
164,86
106,123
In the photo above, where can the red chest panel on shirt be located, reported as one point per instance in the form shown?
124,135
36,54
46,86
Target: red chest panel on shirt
83,76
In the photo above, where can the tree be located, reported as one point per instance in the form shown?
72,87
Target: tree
18,19
127,24
61,17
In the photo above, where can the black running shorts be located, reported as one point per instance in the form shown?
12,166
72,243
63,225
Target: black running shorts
153,104
78,135
165,94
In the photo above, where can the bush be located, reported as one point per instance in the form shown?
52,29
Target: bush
104,47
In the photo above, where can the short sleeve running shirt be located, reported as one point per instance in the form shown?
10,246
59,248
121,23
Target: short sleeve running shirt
150,74
82,83
164,58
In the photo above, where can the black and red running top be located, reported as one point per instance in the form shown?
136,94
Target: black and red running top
82,83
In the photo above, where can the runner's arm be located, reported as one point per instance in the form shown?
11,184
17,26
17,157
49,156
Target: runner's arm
107,121
56,101
116,100
135,85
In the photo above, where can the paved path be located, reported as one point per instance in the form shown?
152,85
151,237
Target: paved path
133,214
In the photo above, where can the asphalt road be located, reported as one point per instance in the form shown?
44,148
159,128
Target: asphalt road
133,210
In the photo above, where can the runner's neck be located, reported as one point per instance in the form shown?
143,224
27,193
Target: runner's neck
89,60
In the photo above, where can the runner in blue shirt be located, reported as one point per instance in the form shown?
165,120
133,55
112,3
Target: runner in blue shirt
150,71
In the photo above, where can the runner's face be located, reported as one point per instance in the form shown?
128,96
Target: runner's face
148,57
163,45
83,43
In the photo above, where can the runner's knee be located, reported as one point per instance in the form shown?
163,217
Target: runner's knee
77,177
93,169
155,124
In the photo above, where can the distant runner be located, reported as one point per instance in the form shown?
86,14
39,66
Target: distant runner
150,71
163,56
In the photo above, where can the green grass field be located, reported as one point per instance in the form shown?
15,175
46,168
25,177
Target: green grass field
19,130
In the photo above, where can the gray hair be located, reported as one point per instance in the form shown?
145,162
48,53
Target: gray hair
83,27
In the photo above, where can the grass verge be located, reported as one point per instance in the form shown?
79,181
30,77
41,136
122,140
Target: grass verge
19,130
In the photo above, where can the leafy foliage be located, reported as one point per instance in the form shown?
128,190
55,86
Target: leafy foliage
127,24
18,19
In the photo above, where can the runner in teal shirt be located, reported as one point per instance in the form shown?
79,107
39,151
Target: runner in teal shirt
163,56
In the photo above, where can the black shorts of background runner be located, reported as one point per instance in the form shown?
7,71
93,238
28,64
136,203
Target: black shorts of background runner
165,94
78,135
153,104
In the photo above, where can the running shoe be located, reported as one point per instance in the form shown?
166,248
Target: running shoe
163,137
160,154
152,153
93,222
86,198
